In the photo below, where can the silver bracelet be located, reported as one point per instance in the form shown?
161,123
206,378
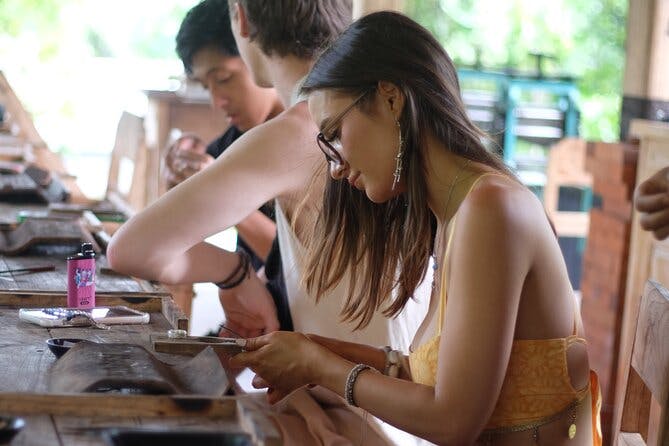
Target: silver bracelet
393,362
350,382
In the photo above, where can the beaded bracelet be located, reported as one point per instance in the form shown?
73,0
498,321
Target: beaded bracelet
241,272
350,382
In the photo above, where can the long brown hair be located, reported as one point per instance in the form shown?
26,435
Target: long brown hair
387,246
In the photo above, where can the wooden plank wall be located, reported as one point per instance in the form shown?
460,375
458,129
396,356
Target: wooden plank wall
648,258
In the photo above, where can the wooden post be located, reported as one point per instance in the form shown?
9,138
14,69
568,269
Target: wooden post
648,258
646,83
362,7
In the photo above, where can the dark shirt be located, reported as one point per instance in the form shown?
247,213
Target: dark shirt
218,146
273,268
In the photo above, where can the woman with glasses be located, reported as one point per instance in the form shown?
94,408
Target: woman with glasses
500,357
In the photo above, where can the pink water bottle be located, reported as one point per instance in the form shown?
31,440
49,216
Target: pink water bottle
81,278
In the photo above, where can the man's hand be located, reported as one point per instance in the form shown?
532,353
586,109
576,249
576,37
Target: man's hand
249,308
186,157
651,199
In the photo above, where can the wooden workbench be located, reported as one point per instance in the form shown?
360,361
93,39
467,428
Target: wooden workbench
79,419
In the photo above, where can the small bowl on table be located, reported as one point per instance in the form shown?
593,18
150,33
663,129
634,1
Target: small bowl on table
60,346
9,427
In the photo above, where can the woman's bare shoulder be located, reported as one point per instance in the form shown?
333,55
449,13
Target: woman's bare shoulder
504,203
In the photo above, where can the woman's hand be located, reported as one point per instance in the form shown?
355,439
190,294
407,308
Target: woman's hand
652,201
283,362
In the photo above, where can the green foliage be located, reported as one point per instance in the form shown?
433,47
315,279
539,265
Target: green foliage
17,16
149,37
156,39
585,38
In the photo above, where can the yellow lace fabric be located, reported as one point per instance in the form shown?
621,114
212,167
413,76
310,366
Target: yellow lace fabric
536,384
423,362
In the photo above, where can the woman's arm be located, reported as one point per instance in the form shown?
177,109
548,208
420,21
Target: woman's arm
491,255
164,241
361,354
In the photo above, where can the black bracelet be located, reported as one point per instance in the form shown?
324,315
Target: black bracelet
234,272
241,272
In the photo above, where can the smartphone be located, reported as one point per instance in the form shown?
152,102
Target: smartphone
75,317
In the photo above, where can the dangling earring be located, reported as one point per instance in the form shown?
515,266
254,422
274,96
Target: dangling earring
398,159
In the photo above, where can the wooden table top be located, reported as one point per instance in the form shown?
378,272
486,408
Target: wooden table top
79,419
82,418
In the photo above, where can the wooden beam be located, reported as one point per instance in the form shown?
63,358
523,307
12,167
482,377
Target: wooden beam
646,84
658,72
638,47
138,301
113,405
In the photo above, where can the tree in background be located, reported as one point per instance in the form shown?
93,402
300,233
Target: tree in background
144,30
45,45
76,64
587,39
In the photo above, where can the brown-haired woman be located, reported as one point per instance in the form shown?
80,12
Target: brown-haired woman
500,358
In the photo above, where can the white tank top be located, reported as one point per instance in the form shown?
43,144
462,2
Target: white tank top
321,318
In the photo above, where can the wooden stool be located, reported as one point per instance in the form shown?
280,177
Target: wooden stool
645,418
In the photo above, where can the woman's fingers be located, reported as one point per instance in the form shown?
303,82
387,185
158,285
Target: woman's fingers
248,356
655,221
275,395
253,344
652,202
259,383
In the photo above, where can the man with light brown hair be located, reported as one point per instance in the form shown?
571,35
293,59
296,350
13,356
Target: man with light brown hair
277,160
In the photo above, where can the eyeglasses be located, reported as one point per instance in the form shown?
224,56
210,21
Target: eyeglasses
331,146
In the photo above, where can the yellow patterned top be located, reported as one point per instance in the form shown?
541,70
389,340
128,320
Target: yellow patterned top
537,384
